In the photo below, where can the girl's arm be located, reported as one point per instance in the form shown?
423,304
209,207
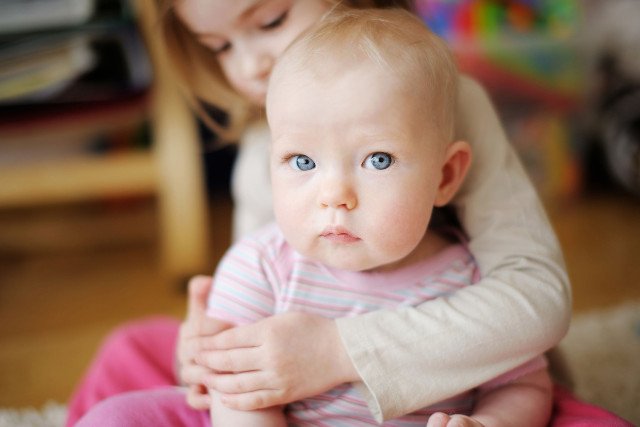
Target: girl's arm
413,357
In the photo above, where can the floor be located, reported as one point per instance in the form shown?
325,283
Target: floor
70,274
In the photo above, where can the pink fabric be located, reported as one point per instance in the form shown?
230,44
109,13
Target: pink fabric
159,407
568,411
136,356
131,383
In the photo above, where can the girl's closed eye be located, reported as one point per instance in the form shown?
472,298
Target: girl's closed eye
220,48
276,22
378,161
218,45
271,19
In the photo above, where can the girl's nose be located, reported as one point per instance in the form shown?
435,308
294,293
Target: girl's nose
257,65
337,193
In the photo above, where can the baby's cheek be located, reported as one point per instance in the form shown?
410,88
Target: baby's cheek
405,227
296,231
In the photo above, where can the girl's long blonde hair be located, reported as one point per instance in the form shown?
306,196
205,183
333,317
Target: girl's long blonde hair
200,76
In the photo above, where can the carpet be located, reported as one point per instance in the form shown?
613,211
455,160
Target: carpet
50,415
602,353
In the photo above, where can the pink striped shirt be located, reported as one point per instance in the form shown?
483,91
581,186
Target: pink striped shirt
262,275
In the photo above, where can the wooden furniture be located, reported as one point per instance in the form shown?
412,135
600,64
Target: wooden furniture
171,169
179,176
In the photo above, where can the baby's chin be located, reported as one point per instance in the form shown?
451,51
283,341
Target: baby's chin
349,256
347,262
372,263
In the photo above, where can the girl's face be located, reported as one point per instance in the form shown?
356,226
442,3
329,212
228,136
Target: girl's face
247,36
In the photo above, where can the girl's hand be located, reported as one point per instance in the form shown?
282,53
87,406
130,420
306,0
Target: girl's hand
440,419
276,361
195,326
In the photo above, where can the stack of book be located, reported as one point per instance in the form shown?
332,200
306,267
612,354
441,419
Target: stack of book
74,84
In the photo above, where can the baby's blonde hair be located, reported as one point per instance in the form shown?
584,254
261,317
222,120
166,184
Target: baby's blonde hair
200,75
393,39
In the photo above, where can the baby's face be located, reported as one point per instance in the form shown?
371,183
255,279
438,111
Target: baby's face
355,170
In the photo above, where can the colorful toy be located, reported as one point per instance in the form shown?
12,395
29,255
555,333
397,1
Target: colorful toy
518,46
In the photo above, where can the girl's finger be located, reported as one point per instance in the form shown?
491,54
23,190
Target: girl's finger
188,349
198,398
245,382
254,400
237,337
191,345
462,421
234,360
198,290
192,374
438,419
208,326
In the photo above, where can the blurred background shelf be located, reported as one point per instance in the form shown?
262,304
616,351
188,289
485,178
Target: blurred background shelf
87,113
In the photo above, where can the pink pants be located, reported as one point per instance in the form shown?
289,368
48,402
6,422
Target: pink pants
131,383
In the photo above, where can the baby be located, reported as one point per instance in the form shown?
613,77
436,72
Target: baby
356,171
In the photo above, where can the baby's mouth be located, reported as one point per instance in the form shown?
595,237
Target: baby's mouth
339,234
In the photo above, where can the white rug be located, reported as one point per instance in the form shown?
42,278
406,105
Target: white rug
602,351
50,415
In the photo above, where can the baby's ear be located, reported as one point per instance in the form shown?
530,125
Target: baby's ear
455,167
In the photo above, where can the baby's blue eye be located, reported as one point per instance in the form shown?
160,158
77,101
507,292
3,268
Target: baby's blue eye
301,162
379,161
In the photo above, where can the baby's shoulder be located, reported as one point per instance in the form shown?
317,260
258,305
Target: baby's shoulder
267,244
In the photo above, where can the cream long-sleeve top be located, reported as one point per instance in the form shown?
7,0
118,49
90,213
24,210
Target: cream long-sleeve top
413,357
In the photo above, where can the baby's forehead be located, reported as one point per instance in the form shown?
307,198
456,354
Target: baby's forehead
322,60
364,95
397,78
394,45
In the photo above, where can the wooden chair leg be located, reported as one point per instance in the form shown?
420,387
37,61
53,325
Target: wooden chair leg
181,185
181,188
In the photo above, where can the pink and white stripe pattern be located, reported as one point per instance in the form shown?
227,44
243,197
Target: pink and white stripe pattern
262,276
